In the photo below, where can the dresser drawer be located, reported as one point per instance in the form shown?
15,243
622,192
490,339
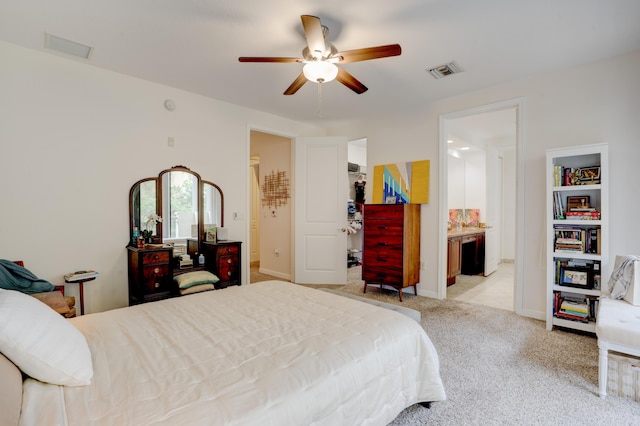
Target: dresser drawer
228,268
155,277
384,211
383,227
155,258
382,242
383,275
389,258
228,250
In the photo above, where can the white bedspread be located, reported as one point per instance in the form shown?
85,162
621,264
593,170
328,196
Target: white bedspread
271,353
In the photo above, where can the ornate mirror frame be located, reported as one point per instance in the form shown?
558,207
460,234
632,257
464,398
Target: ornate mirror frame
207,193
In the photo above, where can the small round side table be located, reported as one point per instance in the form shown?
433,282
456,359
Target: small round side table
81,283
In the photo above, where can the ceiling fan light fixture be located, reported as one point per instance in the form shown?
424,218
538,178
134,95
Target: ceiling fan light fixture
320,71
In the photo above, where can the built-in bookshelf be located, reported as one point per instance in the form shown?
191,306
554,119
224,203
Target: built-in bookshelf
577,234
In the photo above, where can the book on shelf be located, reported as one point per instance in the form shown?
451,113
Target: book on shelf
80,275
575,307
570,176
577,238
582,215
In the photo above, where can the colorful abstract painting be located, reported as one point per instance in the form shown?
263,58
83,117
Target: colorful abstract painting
401,183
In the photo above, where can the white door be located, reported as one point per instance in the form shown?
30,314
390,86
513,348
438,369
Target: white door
320,204
494,209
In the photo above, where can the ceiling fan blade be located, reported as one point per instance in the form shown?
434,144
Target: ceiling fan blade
369,53
315,36
350,81
298,83
262,59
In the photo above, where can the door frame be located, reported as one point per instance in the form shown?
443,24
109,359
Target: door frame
518,105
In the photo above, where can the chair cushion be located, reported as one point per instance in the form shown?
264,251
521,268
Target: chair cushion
618,322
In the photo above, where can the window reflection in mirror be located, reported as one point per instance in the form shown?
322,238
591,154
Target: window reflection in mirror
180,205
144,204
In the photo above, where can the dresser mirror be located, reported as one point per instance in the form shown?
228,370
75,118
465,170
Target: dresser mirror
187,205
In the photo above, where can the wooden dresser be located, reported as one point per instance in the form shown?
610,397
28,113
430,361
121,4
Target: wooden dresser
391,254
150,274
222,258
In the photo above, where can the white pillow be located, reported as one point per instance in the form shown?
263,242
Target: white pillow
41,342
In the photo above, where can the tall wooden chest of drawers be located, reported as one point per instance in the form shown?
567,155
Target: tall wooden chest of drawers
391,254
150,274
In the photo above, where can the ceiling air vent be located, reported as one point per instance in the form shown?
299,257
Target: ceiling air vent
67,46
444,70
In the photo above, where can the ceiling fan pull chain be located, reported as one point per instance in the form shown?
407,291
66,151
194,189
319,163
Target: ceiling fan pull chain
319,106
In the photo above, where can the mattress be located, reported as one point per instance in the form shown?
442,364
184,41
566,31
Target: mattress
271,353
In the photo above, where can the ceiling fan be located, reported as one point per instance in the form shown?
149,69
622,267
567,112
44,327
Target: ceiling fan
320,58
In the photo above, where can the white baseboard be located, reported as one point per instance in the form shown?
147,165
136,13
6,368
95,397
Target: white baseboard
275,274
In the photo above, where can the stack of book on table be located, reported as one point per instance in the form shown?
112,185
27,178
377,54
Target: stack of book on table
80,275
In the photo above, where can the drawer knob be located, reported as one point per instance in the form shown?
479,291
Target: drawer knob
155,271
156,285
229,273
229,261
156,257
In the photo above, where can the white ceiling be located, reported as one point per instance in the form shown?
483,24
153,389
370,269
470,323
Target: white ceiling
195,44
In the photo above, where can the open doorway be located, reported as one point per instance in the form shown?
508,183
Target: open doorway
270,207
357,170
480,205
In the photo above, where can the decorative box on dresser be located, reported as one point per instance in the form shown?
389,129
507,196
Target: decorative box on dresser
150,274
222,258
391,254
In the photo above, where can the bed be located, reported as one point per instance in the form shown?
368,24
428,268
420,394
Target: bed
271,353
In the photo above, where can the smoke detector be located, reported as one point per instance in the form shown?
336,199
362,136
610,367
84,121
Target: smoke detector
444,70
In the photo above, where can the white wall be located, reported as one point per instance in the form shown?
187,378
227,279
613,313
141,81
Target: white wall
577,106
75,138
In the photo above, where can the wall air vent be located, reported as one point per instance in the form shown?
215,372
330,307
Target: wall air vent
68,47
444,70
